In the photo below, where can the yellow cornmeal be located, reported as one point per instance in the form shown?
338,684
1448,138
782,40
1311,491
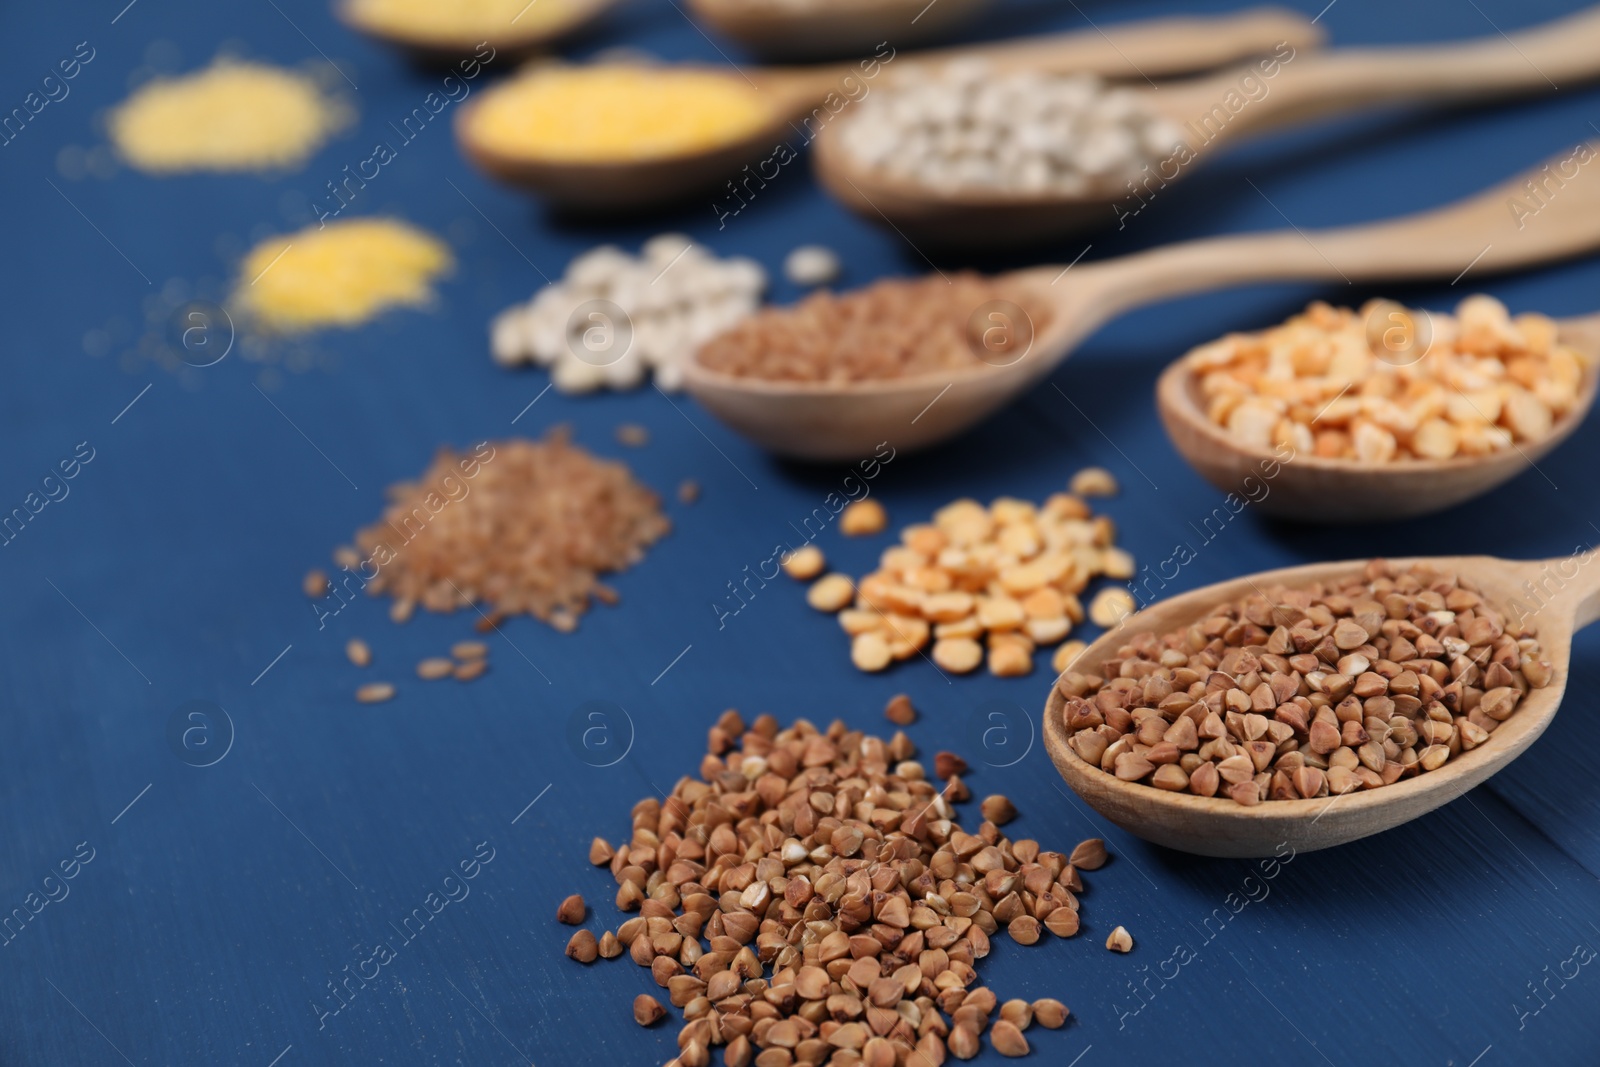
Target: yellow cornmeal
490,19
338,275
615,113
229,117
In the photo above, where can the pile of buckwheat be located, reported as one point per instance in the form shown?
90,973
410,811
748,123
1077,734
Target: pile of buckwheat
515,527
1390,384
1301,693
894,328
810,899
1005,578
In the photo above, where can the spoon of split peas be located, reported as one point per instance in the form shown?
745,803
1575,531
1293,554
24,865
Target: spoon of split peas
1569,600
1212,113
835,420
618,136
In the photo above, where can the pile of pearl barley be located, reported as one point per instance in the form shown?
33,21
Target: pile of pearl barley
810,899
1299,693
673,295
967,127
517,527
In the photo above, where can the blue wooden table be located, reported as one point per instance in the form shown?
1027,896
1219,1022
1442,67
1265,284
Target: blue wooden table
194,898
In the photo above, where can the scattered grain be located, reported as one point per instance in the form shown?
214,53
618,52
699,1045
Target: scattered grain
375,693
470,670
1065,654
831,593
633,435
582,947
1007,1039
469,650
435,667
1110,606
315,584
804,563
571,911
688,491
1050,1013
998,809
647,1010
863,518
900,710
357,651
811,265
1120,940
1094,481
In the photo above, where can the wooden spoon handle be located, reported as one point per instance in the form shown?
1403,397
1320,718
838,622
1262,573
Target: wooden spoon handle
1152,48
1541,215
1307,87
1135,51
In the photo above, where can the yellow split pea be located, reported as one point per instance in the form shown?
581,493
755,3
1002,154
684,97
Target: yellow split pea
338,275
614,113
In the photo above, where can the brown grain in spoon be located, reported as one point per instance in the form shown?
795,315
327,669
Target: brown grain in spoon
1565,598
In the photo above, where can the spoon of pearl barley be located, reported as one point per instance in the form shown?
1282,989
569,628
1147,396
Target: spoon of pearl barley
833,418
1217,826
619,136
989,157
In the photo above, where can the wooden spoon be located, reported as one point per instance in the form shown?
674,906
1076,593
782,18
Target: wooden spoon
1304,88
1314,489
1568,601
831,421
803,100
794,30
521,37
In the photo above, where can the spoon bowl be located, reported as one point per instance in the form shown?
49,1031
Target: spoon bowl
1314,489
809,30
512,42
1213,112
802,101
1213,826
830,420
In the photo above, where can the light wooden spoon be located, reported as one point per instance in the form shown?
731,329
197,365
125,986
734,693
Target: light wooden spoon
828,421
1213,112
794,30
511,42
1314,489
802,100
1568,600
